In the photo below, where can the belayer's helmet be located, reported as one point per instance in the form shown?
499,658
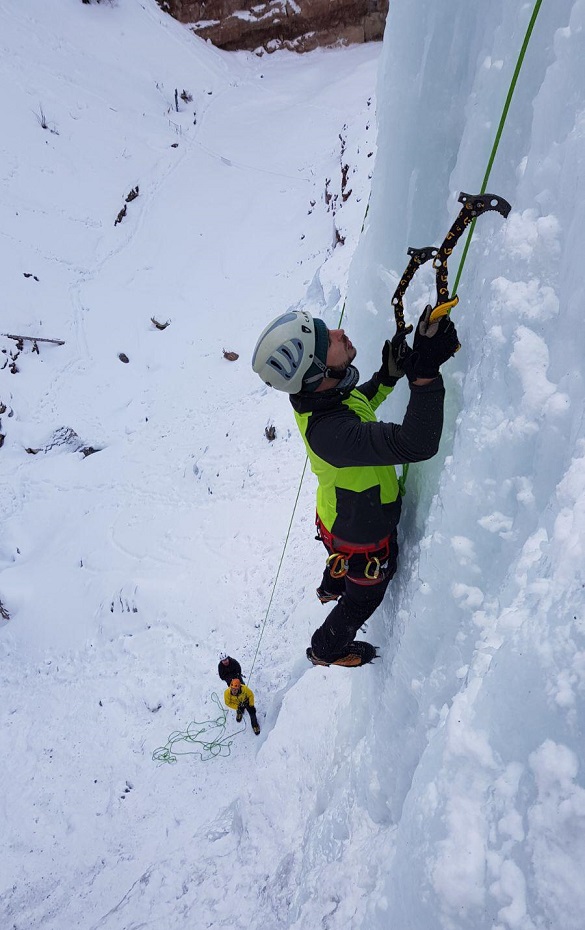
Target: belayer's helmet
291,353
223,656
235,683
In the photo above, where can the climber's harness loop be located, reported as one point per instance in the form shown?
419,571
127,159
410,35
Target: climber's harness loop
338,564
340,552
372,569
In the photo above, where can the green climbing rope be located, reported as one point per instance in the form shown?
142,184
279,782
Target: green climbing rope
499,132
402,479
201,735
276,577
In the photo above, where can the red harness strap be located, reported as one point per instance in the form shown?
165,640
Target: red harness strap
340,551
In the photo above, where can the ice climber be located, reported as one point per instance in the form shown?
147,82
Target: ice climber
241,698
229,668
353,455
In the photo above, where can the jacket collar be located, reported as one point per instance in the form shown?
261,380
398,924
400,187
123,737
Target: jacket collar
318,401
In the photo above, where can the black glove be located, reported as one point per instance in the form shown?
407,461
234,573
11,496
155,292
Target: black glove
433,344
394,354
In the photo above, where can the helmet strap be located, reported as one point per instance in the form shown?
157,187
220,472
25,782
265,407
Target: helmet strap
315,380
337,373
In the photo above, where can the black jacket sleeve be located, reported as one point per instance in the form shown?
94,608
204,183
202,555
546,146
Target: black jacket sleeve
340,437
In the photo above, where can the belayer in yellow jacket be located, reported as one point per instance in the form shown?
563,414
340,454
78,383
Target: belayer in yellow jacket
241,698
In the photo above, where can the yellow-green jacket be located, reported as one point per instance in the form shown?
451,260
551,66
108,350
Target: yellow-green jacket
232,700
353,455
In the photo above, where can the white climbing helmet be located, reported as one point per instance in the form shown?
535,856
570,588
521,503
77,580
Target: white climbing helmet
291,353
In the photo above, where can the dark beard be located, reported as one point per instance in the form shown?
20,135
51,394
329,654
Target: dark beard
337,373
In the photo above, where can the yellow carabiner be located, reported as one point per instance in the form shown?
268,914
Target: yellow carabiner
338,565
368,571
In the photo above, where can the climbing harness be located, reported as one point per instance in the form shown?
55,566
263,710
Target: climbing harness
341,551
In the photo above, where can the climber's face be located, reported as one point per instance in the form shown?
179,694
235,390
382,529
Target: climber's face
341,352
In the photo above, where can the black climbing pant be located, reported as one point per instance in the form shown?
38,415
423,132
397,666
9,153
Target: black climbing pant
253,717
359,599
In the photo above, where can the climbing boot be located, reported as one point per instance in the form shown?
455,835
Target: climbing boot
358,653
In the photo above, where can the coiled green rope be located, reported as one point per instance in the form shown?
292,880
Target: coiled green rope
210,747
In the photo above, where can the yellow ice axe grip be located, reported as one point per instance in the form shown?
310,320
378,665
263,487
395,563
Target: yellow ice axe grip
443,309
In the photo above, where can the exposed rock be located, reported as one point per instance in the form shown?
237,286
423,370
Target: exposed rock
64,438
302,25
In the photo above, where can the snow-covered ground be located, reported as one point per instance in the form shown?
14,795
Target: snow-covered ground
443,786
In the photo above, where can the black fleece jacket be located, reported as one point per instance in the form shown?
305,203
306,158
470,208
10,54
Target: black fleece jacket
339,436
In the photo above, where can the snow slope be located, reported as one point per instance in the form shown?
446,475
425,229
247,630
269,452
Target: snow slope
441,787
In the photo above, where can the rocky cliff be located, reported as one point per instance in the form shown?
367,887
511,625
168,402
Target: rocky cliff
295,24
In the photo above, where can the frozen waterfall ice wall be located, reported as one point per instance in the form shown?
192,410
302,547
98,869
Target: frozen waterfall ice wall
477,744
